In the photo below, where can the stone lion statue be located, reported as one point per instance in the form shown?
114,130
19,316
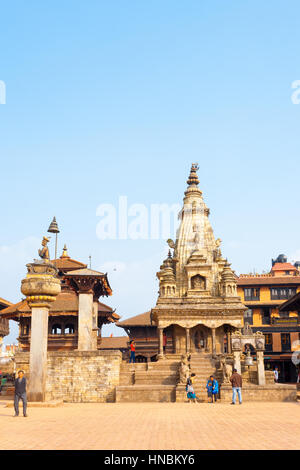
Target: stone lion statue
184,371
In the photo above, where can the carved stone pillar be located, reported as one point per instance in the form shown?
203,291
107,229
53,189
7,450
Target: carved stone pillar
95,325
229,342
260,368
160,332
41,286
213,340
85,322
188,340
85,284
237,361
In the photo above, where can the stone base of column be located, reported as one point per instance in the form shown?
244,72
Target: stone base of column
35,396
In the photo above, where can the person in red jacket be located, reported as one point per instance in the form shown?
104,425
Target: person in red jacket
132,352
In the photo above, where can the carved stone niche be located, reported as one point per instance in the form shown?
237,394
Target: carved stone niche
260,341
198,282
236,344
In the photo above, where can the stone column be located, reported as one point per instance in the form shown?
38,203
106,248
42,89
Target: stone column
237,361
160,332
85,321
41,286
95,325
213,339
229,342
38,353
260,368
188,340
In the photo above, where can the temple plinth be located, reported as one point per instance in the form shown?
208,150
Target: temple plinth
41,286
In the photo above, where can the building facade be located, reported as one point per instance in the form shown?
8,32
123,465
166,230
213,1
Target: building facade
264,294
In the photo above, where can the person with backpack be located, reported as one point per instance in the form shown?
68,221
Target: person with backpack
212,388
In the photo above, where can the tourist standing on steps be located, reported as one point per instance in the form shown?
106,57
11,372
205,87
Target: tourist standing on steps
191,396
20,393
212,389
237,383
132,352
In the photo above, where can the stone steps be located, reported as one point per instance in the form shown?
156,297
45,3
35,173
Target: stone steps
126,379
145,393
156,379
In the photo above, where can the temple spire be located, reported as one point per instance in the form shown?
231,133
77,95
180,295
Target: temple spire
193,182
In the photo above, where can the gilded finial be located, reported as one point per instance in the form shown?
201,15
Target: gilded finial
53,228
65,252
193,178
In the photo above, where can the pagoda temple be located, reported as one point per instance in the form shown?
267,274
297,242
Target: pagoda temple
75,278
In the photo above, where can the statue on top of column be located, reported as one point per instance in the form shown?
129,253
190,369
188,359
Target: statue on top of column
44,251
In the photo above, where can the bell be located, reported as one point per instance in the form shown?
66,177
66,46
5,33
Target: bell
249,360
53,226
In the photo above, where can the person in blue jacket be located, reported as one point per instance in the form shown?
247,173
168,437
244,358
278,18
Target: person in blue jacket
212,388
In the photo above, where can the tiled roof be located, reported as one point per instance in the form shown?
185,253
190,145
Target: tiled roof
114,343
85,272
284,267
68,264
138,320
4,303
267,280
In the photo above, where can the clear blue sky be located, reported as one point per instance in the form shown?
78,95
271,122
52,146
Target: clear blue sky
118,98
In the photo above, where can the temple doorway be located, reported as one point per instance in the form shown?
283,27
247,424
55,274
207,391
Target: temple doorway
199,338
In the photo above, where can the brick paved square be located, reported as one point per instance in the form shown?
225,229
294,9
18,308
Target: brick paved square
153,426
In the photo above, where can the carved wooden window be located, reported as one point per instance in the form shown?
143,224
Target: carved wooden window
285,341
252,294
282,293
248,317
269,341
